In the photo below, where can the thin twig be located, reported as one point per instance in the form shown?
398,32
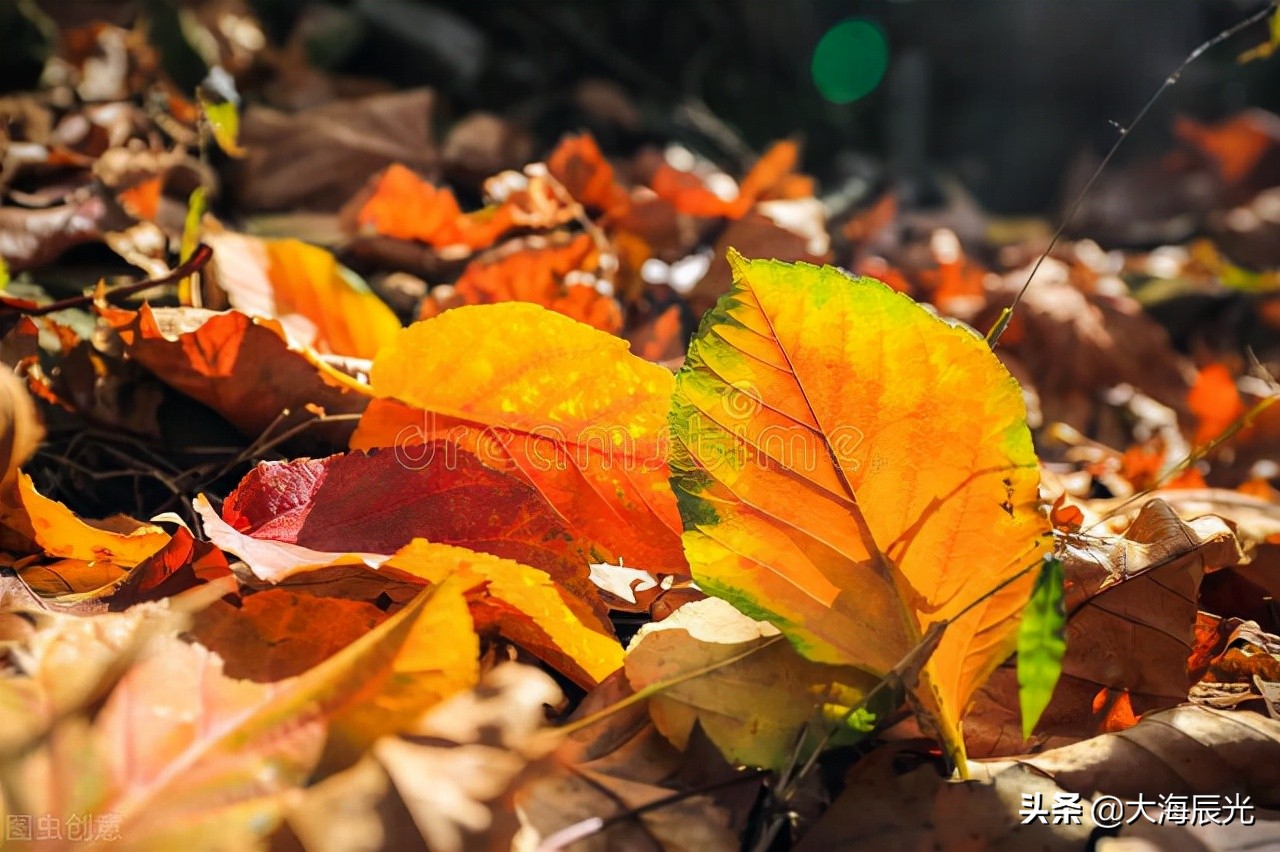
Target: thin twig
993,336
194,264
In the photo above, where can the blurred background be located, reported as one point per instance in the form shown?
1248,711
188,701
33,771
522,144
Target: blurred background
1008,96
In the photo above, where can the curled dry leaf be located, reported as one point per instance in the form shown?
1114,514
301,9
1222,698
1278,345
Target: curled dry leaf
836,479
20,428
621,763
73,585
1185,750
754,710
53,529
552,402
1131,605
883,807
245,369
322,305
447,786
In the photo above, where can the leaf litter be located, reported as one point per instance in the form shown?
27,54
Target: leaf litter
379,491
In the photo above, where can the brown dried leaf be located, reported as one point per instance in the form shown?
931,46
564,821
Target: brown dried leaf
1131,626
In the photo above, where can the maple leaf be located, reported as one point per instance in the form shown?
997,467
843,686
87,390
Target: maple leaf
853,469
555,403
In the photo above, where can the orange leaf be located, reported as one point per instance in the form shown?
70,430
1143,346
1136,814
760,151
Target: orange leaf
322,304
1215,402
855,470
537,275
142,201
584,172
553,402
243,368
1236,144
770,177
407,207
119,541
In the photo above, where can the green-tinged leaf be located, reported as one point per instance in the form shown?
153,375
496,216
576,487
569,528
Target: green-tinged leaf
224,120
854,469
1041,644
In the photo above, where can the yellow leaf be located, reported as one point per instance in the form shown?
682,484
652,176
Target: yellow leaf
224,121
437,657
854,469
754,709
524,604
20,428
554,401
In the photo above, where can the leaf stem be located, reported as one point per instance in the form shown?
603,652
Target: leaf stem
993,336
653,689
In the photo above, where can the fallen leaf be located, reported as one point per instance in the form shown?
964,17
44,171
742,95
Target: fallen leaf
770,177
587,176
1131,605
316,159
443,494
1180,751
756,709
242,746
542,275
622,763
243,368
446,787
20,428
320,303
406,207
524,605
885,807
56,531
854,519
562,406
1214,401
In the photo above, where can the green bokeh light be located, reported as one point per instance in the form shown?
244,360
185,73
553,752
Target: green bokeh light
850,61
